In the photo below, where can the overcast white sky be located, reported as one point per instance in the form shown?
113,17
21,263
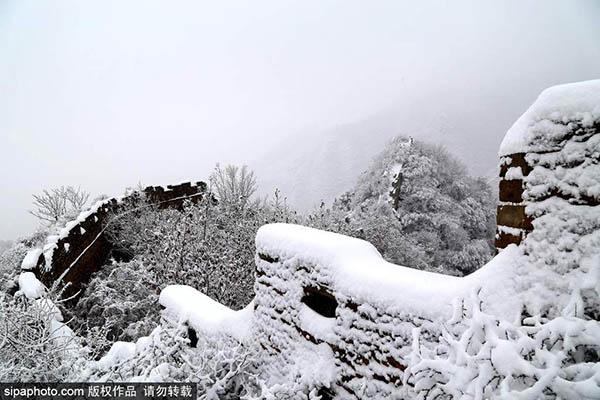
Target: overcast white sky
105,94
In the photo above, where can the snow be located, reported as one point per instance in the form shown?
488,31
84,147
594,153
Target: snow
203,313
48,308
319,326
386,311
31,259
379,304
574,102
571,171
514,173
359,270
510,230
314,365
63,336
505,160
30,286
52,240
64,232
395,171
562,254
49,251
120,351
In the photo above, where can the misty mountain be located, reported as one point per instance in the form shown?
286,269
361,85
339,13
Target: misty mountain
319,165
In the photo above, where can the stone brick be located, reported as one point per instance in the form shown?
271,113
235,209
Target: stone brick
504,239
511,191
514,217
517,160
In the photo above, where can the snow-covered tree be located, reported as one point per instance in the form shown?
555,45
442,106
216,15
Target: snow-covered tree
233,186
36,345
221,366
122,298
208,245
420,208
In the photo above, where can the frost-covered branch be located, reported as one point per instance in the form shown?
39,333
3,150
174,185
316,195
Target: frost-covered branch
55,203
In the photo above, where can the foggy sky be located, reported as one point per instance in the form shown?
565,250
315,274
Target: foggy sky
107,94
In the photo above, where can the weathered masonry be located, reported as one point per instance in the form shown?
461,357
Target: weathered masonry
555,158
82,248
333,300
512,220
335,292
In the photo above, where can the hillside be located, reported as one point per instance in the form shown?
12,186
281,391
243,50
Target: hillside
320,165
418,205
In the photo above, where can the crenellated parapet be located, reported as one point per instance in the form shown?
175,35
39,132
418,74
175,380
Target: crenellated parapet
81,247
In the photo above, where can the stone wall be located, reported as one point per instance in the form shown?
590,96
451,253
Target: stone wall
302,300
309,292
512,221
556,169
369,342
82,248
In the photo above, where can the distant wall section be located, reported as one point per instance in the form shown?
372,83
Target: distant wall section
82,248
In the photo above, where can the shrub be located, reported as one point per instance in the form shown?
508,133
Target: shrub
34,344
481,356
122,298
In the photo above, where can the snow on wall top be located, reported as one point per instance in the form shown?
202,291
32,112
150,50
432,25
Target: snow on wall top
52,240
203,313
549,115
31,259
359,270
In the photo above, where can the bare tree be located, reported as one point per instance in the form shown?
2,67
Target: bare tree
53,204
76,198
232,185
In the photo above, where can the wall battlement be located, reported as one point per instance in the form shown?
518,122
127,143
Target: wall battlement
333,300
81,247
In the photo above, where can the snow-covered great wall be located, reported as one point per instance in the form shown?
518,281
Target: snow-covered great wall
334,318
370,329
337,293
81,248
